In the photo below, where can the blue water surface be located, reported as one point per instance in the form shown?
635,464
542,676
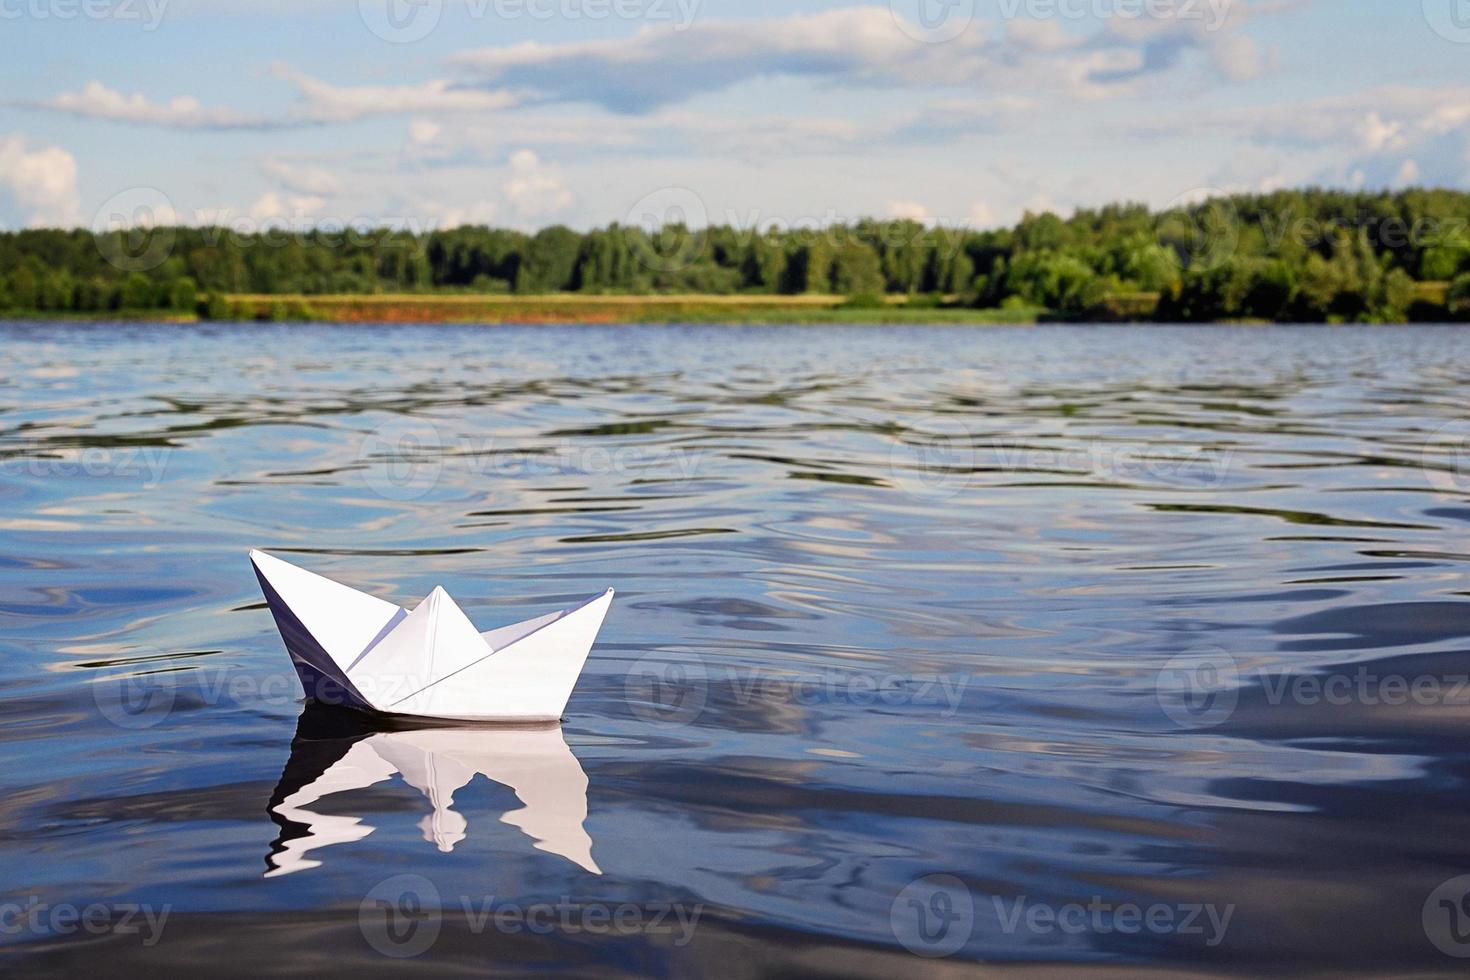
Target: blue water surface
934,649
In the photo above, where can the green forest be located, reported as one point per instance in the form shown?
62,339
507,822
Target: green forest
1306,256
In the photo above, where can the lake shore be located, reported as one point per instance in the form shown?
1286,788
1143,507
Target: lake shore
668,309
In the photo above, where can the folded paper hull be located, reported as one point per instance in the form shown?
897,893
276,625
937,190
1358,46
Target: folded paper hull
354,650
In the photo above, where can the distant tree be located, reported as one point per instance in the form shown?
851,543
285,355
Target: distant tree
763,264
1457,299
550,261
137,293
857,270
1397,296
1443,262
183,294
809,267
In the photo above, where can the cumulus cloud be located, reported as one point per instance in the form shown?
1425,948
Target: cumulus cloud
858,46
981,215
1141,46
658,65
97,101
535,190
910,211
42,182
296,210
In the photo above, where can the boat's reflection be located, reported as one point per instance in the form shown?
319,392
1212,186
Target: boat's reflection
335,751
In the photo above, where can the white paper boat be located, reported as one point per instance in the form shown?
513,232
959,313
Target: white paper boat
358,651
537,765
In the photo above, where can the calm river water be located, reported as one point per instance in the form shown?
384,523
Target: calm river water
1055,649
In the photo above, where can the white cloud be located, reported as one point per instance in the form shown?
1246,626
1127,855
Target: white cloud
42,182
910,211
858,46
535,190
318,103
97,101
424,130
321,101
313,181
295,210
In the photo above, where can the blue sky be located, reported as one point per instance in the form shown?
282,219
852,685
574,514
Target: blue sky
429,113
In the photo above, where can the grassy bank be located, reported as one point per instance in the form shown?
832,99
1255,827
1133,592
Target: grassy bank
572,308
1429,305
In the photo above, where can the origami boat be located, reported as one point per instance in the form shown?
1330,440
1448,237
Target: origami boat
354,650
537,765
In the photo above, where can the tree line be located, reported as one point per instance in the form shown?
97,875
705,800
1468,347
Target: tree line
1303,255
